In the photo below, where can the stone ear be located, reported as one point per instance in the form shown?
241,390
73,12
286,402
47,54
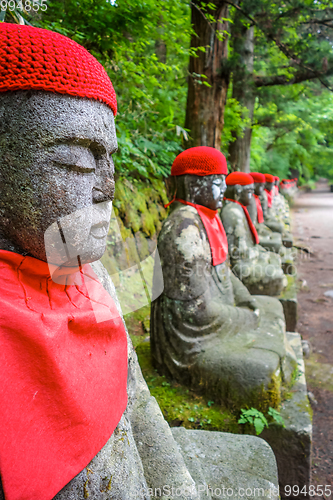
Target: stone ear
238,190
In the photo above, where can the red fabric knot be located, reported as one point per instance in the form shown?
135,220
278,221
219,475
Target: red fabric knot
215,231
43,60
201,161
249,220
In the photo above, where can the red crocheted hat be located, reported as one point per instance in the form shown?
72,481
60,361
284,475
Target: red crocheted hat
276,178
239,178
258,177
269,177
39,59
201,160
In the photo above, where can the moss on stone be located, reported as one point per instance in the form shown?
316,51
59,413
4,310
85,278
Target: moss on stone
140,205
181,406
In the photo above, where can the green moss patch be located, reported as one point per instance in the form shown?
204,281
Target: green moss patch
182,407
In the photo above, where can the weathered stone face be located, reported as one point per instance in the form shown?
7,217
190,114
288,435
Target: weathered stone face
246,195
55,165
258,188
269,186
205,190
243,194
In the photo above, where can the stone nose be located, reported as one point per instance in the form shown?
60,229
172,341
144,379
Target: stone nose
103,189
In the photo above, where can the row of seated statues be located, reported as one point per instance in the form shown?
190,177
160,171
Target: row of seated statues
218,326
78,420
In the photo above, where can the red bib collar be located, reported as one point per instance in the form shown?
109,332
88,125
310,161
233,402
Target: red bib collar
249,221
270,196
215,231
63,376
260,213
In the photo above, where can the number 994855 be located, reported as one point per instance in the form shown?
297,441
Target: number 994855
23,5
324,491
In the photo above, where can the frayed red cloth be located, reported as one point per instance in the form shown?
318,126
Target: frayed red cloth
201,160
258,177
249,221
259,209
241,178
270,196
215,231
39,59
63,376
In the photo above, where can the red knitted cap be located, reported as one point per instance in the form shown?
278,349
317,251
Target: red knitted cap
201,160
258,177
269,177
239,178
39,59
276,178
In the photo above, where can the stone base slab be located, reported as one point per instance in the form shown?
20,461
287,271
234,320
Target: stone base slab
227,465
292,444
288,299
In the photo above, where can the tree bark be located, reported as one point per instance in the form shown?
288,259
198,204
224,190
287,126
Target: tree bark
205,104
243,91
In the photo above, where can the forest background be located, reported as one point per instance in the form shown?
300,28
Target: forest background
251,78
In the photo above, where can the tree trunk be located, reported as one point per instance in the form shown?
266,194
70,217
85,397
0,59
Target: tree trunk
205,104
243,91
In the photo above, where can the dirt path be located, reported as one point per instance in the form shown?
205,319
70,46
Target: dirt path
313,228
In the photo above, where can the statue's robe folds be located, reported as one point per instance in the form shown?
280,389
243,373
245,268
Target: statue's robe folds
202,333
258,269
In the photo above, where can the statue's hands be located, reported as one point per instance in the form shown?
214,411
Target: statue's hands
251,303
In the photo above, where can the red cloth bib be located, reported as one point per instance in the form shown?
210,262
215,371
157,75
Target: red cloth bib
270,196
259,209
276,190
215,231
249,221
63,376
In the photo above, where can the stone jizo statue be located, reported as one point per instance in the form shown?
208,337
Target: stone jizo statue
267,238
77,418
207,331
259,269
271,218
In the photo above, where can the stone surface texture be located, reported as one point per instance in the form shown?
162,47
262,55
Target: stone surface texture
223,465
292,444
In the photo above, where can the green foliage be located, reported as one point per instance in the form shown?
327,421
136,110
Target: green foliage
258,420
144,47
254,417
294,130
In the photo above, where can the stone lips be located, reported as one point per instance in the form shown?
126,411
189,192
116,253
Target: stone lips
39,59
201,160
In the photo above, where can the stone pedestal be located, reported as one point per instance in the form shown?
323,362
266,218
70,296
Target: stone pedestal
292,444
288,299
227,465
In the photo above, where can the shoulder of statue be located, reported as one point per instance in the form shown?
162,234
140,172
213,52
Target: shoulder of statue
232,214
